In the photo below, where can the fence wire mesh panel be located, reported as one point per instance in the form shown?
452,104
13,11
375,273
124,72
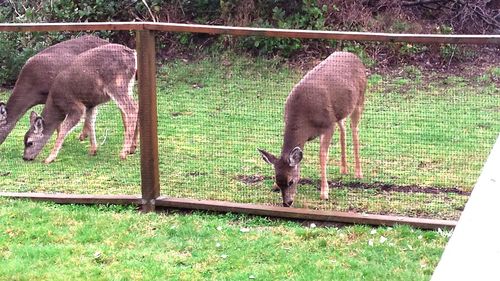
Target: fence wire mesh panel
424,135
424,131
70,79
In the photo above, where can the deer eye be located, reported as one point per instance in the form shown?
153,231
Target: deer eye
290,183
29,143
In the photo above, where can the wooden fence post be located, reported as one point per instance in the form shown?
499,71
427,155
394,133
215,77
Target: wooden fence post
146,72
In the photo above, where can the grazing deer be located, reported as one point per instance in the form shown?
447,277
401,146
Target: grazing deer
36,78
93,78
326,95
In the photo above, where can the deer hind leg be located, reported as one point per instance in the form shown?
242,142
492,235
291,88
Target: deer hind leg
355,118
343,159
69,123
129,110
324,145
129,116
85,130
130,92
136,137
90,116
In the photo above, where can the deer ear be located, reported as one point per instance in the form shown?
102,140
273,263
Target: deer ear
33,117
268,157
295,157
3,108
38,125
3,111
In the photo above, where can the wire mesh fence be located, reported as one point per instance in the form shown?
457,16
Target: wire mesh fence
423,137
74,73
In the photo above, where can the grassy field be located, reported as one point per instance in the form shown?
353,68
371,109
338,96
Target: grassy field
44,241
418,132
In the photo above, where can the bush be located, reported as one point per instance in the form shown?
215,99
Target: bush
347,15
15,50
307,15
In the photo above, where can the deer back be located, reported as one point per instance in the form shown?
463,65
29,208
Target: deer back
95,76
41,69
327,93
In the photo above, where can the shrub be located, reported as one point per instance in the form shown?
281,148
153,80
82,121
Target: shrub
307,15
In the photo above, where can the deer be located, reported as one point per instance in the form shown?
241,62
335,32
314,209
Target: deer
94,77
36,77
329,93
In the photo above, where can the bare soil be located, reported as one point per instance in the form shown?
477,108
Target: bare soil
378,186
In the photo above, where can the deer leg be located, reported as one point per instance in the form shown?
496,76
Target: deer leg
129,112
130,92
136,137
343,159
86,129
90,116
69,123
324,145
355,118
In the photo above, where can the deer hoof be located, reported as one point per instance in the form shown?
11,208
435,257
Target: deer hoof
132,149
93,152
83,136
359,175
323,196
343,170
123,155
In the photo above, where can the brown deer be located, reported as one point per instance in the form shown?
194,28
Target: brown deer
94,77
36,78
326,95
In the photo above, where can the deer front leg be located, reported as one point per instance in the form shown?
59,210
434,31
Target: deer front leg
69,123
324,145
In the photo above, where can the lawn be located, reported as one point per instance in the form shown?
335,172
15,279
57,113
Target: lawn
45,241
424,139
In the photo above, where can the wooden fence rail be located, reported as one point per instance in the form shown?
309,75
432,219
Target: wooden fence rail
251,31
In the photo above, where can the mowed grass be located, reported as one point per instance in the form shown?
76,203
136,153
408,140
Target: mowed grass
213,114
44,241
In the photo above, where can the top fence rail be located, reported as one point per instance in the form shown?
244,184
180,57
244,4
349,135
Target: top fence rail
250,31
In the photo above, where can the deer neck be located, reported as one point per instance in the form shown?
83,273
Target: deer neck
52,117
293,137
16,106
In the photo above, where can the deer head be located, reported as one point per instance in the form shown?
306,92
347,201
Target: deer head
35,139
287,172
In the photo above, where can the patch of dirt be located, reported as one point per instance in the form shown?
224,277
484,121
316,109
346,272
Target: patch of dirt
379,186
251,179
386,187
196,174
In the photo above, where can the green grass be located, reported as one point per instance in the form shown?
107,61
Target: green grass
44,241
213,114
